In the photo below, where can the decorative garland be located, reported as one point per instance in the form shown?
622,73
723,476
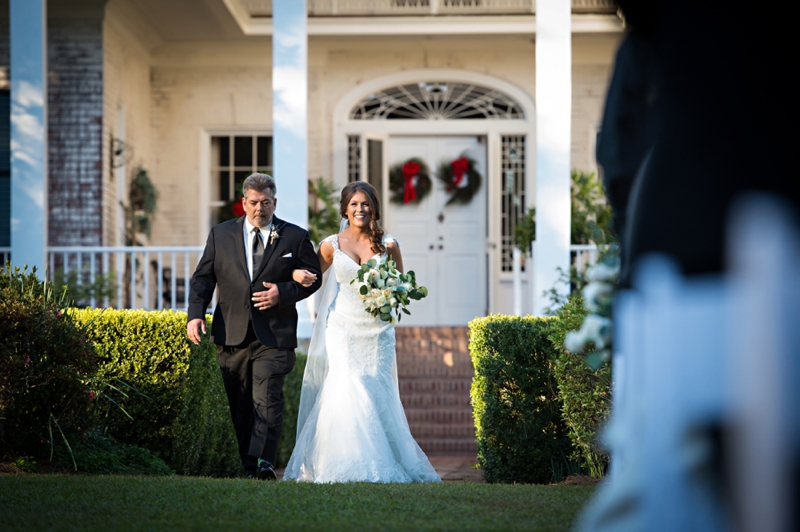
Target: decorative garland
460,179
409,182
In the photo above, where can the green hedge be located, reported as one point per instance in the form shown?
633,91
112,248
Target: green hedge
180,411
515,400
585,392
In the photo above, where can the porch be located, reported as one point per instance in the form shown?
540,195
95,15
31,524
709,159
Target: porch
157,277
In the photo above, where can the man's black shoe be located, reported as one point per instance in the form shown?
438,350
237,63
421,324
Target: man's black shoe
264,471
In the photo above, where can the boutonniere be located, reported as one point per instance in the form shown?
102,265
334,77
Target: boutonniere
273,236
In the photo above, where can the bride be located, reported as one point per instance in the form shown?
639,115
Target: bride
351,426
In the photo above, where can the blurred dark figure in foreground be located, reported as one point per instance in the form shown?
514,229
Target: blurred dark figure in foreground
696,148
699,110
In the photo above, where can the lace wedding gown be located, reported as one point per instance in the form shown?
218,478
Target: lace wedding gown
356,430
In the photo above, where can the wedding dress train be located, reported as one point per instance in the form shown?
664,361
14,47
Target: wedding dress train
354,428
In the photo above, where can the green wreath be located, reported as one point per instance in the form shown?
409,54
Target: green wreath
461,180
409,182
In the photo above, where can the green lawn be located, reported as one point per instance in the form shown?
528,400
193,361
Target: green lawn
82,502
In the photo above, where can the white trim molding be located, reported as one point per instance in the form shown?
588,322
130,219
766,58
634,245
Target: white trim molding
422,25
492,129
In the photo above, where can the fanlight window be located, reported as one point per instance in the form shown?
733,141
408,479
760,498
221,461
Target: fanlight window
437,101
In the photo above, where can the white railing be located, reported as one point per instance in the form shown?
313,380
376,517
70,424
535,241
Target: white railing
583,255
151,278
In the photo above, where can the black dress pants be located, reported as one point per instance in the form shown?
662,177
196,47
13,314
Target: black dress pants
253,376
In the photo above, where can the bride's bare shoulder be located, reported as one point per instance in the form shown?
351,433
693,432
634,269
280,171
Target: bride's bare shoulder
326,248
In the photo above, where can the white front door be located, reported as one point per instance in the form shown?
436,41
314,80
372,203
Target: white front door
445,246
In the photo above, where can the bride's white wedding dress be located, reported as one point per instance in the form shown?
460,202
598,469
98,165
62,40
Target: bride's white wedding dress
352,427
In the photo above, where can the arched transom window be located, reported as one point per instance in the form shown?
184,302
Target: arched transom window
437,101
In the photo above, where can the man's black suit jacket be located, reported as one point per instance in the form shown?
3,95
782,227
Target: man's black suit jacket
224,264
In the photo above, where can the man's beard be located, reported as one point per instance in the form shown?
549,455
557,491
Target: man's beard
261,221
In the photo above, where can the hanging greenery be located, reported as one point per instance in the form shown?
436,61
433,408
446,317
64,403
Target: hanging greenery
460,178
141,207
409,182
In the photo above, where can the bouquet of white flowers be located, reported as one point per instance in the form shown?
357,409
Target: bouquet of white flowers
385,291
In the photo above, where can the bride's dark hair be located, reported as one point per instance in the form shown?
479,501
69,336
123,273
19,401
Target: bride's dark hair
374,230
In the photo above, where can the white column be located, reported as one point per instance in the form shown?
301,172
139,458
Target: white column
28,43
290,120
553,138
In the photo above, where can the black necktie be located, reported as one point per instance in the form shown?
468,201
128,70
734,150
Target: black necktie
258,250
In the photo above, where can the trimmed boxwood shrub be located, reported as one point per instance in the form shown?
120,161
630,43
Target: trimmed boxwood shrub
515,400
584,392
180,410
45,363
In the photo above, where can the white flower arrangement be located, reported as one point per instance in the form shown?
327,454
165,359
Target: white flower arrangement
598,294
385,291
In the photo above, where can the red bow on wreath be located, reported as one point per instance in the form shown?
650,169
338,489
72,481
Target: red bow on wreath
238,208
410,171
460,168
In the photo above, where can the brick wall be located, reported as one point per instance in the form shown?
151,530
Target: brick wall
75,115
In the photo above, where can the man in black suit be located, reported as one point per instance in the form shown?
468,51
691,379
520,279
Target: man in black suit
251,259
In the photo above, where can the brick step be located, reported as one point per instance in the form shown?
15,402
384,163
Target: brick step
447,446
437,430
412,354
440,371
429,385
433,343
450,400
449,416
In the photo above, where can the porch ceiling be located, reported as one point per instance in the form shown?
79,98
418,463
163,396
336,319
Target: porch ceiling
189,20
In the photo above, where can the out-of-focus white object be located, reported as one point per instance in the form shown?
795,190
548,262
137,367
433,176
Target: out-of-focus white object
704,365
764,347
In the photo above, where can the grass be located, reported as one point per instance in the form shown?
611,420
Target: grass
82,502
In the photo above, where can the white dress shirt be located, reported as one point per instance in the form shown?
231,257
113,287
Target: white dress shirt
248,242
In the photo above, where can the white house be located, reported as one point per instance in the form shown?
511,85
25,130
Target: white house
184,89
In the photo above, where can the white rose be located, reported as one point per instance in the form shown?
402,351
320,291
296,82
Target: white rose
387,293
597,294
598,330
375,274
575,342
381,301
603,272
374,292
391,282
393,302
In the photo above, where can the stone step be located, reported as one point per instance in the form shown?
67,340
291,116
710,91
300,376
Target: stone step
448,446
438,430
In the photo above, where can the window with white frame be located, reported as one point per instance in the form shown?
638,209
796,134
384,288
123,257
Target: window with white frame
513,195
233,158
